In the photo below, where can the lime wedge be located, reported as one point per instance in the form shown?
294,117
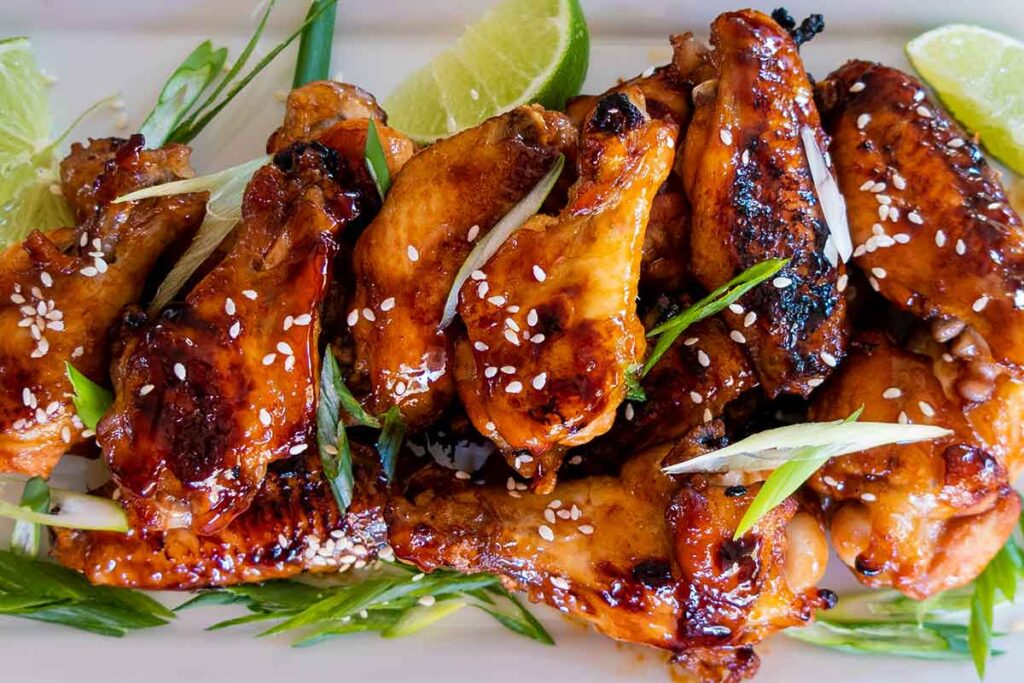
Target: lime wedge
521,51
979,75
28,166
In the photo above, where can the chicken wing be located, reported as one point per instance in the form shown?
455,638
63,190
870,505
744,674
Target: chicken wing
446,197
929,218
746,173
63,291
316,107
548,344
642,557
928,516
292,526
213,391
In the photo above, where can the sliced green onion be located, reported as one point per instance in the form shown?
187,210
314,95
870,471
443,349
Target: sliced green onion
390,441
335,452
91,400
376,160
26,536
502,230
74,511
833,206
316,44
634,392
223,213
714,302
418,618
181,91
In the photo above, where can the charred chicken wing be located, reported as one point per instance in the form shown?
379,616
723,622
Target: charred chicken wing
63,291
551,323
746,173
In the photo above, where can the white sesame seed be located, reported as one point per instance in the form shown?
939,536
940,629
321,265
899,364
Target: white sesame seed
703,358
78,352
549,515
532,318
400,388
249,294
782,282
690,341
480,346
923,111
235,330
863,120
955,143
459,474
427,600
229,306
512,324
980,303
478,275
841,283
473,232
559,582
353,317
46,279
736,308
508,369
867,185
857,86
179,371
89,271
546,533
926,408
915,218
745,157
940,238
961,247
878,272
878,187
828,359
285,348
481,289
883,199
511,337
100,264
892,392
868,497
295,450
490,427
540,380
269,358
586,529
65,434
369,314
899,182
412,253
695,397
538,274
737,337
994,205
537,338
901,238
146,388
629,413
288,322
514,387
873,281
305,319
815,382
490,371
265,418
496,300
17,299
387,304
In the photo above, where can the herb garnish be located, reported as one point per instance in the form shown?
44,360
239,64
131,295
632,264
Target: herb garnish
91,400
390,440
376,160
335,452
316,44
26,535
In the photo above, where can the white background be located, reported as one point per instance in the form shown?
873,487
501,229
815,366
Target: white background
100,47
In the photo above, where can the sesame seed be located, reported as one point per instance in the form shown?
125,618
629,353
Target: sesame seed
480,346
538,274
737,337
546,533
926,408
690,341
901,238
559,582
288,322
285,348
229,306
369,314
496,300
17,299
508,369
400,388
532,318
703,358
828,359
490,427
65,434
745,157
387,304
883,199
961,247
736,308
473,231
867,185
89,271
179,371
490,371
412,253
249,294
576,460
923,111
878,187
586,529
306,318
101,265
868,497
353,317
481,289
459,474
915,217
883,212
902,418
146,388
629,413
427,600
295,450
540,380
511,337
514,387
991,207
815,382
512,324
892,392
955,143
265,418
980,303
269,358
873,281
537,338
46,279
725,136
863,120
878,272
782,282
549,515
940,238
478,275
857,87
841,283
696,398
899,182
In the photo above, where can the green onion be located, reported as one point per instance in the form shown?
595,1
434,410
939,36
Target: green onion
634,392
26,536
91,400
714,302
390,441
1000,575
418,618
74,511
502,230
316,44
376,160
181,91
335,452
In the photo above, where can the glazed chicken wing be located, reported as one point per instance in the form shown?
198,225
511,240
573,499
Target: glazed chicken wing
214,390
747,175
551,323
643,558
292,526
61,292
928,516
929,218
446,197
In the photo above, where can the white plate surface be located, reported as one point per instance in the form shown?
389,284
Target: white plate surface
100,47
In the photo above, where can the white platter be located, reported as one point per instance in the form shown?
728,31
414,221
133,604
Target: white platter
99,47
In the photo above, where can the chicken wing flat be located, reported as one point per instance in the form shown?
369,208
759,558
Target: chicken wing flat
63,291
548,344
316,107
921,517
292,526
445,198
929,218
642,557
746,173
211,392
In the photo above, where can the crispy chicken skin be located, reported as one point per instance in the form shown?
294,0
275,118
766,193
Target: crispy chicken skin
60,293
745,171
211,392
406,260
921,517
292,526
317,107
543,364
950,244
642,557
